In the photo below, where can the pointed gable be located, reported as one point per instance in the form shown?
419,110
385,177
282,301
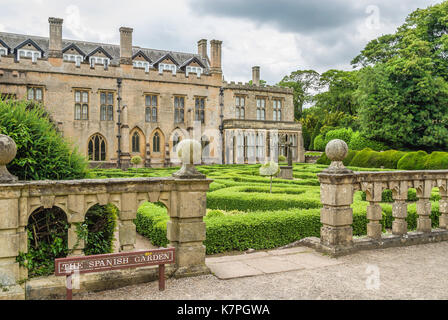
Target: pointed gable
166,58
140,55
29,45
99,50
72,49
4,45
193,61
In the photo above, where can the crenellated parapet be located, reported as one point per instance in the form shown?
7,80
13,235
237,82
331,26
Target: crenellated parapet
252,87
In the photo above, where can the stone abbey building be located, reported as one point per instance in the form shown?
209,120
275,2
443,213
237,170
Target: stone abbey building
117,101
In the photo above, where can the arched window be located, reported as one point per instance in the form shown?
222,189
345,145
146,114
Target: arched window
205,143
97,148
135,142
156,142
175,142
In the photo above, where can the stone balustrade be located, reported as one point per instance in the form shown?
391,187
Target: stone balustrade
183,194
338,185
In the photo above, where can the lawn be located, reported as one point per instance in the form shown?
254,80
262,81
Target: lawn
242,214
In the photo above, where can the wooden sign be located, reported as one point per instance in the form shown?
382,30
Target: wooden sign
114,261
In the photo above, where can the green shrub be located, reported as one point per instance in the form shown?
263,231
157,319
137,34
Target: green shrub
42,153
413,161
351,154
101,223
361,159
389,159
323,159
358,142
344,134
281,158
436,161
319,143
151,222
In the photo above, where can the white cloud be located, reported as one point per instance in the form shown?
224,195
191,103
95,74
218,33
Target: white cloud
177,25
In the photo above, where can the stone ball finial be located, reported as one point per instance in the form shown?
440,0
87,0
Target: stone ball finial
336,150
190,152
8,151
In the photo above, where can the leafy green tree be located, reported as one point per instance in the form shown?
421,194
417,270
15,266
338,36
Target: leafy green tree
304,83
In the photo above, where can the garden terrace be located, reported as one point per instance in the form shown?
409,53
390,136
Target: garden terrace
184,200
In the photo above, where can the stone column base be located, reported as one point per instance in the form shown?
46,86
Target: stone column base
193,271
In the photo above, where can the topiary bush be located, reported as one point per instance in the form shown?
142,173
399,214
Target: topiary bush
413,161
358,142
319,143
436,161
344,134
361,159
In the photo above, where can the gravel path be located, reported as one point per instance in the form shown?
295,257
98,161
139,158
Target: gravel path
415,272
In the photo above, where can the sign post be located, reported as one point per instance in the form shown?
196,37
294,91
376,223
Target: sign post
113,261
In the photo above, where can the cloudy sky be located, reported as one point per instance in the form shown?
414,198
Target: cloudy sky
281,36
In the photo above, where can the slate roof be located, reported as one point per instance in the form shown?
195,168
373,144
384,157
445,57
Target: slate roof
12,40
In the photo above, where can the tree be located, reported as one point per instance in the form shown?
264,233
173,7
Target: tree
304,83
403,87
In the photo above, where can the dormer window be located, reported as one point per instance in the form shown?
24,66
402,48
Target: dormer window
3,51
197,70
31,54
77,59
168,67
141,64
99,60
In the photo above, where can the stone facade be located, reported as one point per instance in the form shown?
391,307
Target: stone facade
164,97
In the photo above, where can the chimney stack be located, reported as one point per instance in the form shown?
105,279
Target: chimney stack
215,53
126,45
202,48
55,46
256,75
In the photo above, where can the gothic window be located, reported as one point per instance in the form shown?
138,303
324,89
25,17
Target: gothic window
81,105
240,107
136,142
199,110
179,107
176,140
106,106
277,113
97,148
261,109
151,103
205,143
156,142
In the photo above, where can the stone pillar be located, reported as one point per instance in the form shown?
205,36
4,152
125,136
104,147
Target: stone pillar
215,53
443,206
55,45
187,207
202,48
186,228
374,211
399,207
125,140
336,192
75,245
256,75
424,189
126,45
126,226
